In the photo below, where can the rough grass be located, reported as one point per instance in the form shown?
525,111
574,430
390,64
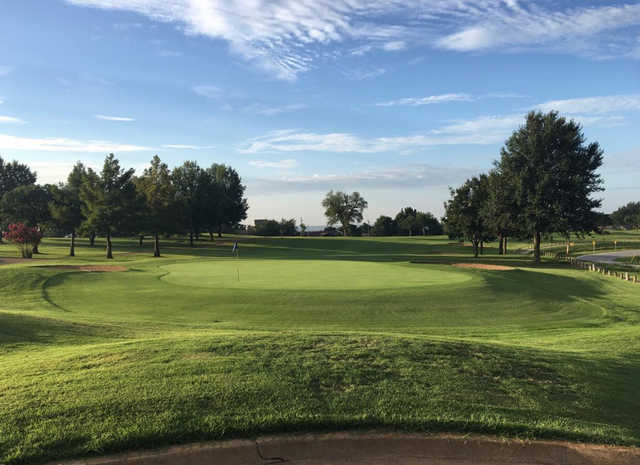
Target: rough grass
319,334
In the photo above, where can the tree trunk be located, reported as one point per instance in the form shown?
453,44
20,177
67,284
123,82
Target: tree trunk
72,249
35,249
504,246
109,245
474,242
481,247
211,235
191,238
219,230
500,245
410,232
568,248
92,238
141,239
536,246
156,245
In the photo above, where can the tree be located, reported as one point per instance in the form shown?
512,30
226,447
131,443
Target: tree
344,208
385,226
112,204
464,217
27,204
13,175
229,205
160,213
428,224
627,216
500,211
554,174
406,220
66,204
303,228
24,237
193,188
274,228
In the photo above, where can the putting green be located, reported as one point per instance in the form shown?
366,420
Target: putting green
309,274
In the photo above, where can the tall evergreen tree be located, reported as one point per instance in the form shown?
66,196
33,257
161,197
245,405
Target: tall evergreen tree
66,204
554,175
227,205
111,205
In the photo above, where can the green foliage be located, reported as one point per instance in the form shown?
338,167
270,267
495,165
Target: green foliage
66,202
274,228
27,204
161,213
635,260
14,175
385,226
627,216
552,174
344,208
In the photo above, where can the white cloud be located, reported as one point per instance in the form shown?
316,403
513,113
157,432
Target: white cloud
10,119
282,164
114,118
419,101
395,177
362,74
207,91
283,36
276,110
394,45
593,105
4,70
61,144
481,131
187,147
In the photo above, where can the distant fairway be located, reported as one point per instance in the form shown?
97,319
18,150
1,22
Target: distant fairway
318,334
306,274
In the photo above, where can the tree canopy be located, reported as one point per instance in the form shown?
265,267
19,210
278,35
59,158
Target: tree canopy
344,208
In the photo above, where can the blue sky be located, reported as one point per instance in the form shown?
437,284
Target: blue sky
398,99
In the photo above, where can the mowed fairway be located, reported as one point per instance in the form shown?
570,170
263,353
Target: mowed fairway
308,334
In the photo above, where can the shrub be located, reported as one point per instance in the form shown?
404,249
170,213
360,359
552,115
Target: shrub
24,237
635,260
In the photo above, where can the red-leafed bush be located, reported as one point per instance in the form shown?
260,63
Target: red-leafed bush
24,237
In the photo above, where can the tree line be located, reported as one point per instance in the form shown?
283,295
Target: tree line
543,183
186,200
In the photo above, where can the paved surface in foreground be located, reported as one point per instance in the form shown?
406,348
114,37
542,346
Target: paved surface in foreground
610,257
378,449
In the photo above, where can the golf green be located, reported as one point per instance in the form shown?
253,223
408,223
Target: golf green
309,274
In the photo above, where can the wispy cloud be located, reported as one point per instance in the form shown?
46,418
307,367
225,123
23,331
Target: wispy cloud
282,164
593,105
276,110
208,91
10,119
362,74
283,37
187,147
406,176
125,119
4,70
62,144
481,131
419,101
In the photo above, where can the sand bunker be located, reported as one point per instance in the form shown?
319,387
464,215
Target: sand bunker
378,449
101,268
482,266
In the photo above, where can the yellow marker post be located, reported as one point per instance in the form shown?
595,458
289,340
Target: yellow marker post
615,245
594,246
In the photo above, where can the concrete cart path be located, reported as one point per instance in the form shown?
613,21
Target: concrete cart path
610,258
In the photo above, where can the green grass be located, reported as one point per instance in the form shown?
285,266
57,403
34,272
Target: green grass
317,334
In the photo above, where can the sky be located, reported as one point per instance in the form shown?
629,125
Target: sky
397,99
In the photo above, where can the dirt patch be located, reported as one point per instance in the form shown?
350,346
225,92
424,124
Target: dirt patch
483,266
378,449
100,268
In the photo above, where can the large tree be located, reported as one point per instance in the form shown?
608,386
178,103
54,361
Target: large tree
500,211
406,219
554,175
193,190
111,205
161,212
66,204
226,205
385,226
28,204
344,208
464,218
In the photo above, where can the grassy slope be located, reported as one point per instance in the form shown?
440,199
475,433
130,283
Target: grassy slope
175,350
